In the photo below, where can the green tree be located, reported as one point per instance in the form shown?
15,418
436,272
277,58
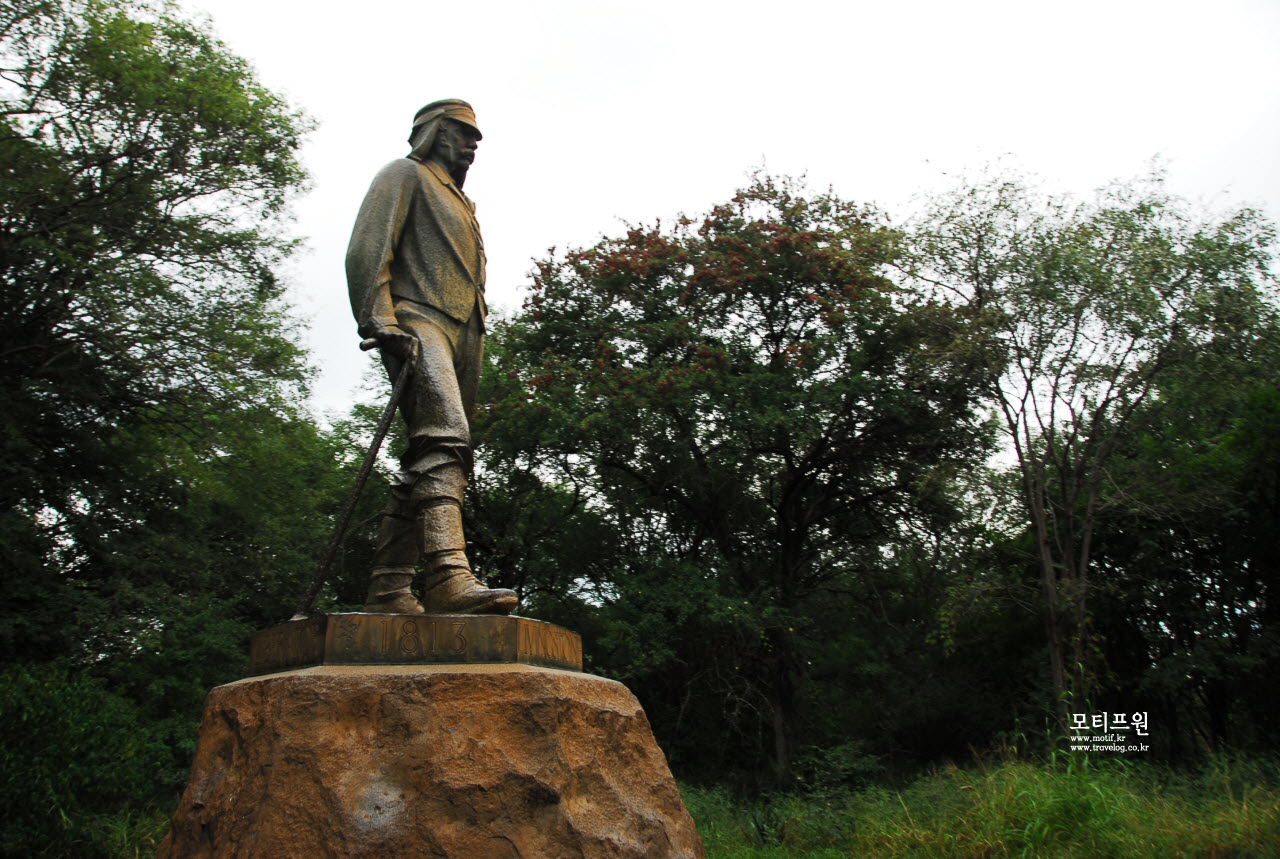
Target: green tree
1093,307
162,488
143,174
754,412
1189,619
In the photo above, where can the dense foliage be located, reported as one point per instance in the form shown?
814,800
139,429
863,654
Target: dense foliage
747,455
142,168
160,490
1105,313
758,417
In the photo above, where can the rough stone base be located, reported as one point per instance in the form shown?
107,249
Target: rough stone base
459,761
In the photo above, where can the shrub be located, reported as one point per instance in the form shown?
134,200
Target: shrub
74,756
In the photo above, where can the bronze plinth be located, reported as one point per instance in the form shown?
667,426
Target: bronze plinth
413,639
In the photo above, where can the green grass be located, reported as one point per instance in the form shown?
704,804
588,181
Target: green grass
1007,808
130,835
1010,808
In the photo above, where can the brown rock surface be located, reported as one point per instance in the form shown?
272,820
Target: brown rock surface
459,761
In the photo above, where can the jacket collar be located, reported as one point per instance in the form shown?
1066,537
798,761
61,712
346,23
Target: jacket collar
443,177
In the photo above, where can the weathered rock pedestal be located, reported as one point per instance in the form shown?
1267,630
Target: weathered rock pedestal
467,761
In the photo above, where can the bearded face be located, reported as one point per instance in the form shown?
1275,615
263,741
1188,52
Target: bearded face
454,148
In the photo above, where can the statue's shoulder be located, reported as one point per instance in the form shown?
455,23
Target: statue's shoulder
402,170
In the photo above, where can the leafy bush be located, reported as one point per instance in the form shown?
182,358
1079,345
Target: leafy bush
75,756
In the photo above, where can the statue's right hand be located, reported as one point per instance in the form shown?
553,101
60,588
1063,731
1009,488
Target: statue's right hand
398,343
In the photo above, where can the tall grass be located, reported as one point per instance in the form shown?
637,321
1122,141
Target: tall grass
1230,808
128,835
1011,808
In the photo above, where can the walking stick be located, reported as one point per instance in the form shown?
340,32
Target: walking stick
349,505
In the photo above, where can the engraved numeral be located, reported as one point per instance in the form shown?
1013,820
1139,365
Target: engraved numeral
409,641
460,640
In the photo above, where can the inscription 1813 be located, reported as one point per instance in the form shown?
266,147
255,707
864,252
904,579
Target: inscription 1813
397,639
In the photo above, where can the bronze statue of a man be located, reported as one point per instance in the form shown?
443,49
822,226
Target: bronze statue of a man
415,269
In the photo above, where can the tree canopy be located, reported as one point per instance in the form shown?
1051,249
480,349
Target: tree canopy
1100,312
755,409
144,170
161,486
761,458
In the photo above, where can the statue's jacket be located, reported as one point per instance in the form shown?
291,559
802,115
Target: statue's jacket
416,238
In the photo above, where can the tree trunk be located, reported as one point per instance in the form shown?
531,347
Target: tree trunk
1055,634
782,704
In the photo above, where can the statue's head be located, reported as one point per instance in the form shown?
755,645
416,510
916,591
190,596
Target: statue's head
445,131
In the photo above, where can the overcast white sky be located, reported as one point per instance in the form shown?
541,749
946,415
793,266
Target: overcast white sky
596,113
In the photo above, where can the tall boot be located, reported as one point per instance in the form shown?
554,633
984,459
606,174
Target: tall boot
394,560
450,586
389,591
